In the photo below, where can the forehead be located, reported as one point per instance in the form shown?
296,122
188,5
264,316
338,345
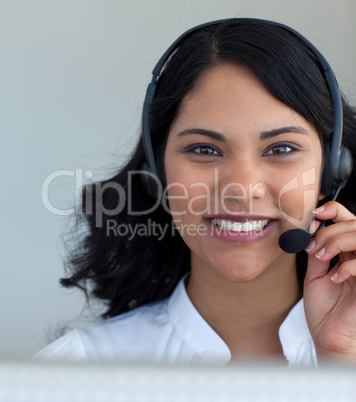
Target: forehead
230,98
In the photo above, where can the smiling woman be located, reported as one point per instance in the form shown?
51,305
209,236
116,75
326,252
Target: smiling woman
257,154
234,152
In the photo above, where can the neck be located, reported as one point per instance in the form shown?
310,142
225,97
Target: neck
246,315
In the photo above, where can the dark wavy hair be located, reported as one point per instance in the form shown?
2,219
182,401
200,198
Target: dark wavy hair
128,272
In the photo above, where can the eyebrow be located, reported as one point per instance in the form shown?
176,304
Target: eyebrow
263,136
202,131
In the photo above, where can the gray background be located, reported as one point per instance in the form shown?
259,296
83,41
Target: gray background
72,79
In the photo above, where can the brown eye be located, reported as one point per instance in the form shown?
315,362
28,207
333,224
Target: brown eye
204,153
280,150
205,150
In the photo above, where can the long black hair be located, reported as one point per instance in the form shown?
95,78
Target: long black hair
110,263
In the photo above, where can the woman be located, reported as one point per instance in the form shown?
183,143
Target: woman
240,125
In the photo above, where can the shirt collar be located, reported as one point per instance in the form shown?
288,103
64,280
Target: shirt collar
294,330
207,343
194,329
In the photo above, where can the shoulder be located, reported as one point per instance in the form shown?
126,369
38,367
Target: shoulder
168,331
135,334
68,347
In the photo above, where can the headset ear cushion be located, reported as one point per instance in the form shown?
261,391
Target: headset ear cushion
150,182
326,179
345,165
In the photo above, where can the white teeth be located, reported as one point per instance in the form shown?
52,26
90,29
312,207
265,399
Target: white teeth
248,226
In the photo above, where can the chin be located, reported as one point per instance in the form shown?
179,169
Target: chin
245,266
240,274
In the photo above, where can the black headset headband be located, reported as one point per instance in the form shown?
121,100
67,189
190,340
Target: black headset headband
340,165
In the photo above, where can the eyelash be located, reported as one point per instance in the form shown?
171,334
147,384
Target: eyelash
279,146
194,149
292,149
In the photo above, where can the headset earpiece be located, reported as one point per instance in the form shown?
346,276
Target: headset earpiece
151,182
334,176
345,165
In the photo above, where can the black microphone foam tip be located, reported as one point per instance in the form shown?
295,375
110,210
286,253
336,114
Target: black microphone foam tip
294,240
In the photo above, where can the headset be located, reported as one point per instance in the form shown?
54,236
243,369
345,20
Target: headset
337,158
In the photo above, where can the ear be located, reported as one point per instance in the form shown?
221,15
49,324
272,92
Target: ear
321,196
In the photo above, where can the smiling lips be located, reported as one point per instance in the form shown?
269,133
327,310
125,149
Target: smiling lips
247,229
247,226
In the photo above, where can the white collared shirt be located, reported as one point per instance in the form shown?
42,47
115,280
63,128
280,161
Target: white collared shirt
170,331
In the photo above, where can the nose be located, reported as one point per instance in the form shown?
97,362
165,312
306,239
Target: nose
241,182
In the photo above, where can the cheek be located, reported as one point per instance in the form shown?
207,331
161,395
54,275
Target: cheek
188,196
297,196
189,193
